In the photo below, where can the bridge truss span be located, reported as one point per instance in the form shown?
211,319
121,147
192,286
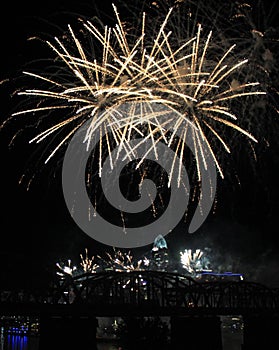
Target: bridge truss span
114,293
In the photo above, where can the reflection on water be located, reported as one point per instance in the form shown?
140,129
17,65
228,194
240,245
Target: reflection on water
23,342
17,341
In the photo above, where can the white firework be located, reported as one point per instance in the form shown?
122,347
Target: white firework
194,87
191,261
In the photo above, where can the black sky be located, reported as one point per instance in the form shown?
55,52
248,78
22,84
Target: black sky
36,227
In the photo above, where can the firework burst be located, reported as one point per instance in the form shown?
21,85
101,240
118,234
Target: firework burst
123,261
188,86
194,87
66,269
88,264
192,261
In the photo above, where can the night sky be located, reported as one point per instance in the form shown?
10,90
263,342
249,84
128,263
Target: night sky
36,228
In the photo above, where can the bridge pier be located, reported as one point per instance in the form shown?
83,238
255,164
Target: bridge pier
196,332
261,332
68,332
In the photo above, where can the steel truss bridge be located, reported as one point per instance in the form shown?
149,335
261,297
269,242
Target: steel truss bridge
145,293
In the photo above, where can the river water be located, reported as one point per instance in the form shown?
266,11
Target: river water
232,337
17,342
